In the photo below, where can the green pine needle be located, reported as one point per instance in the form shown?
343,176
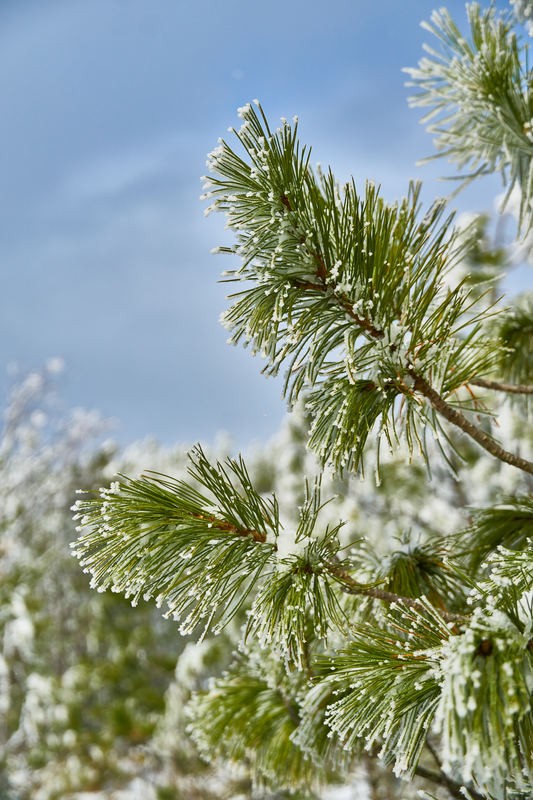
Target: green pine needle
508,525
346,291
515,331
484,712
250,716
479,92
385,685
200,554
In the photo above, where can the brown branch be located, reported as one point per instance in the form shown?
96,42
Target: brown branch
363,323
511,388
441,779
351,586
223,525
457,418
420,384
347,306
434,753
291,708
286,202
322,275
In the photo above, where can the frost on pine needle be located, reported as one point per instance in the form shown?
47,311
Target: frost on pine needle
194,553
472,687
478,92
299,604
346,292
250,713
484,712
382,686
216,553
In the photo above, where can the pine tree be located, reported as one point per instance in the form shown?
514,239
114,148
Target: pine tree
398,354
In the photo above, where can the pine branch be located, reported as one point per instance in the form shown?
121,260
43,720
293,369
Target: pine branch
457,418
200,554
441,779
479,95
508,525
420,384
382,685
249,715
448,412
484,712
349,291
512,388
414,671
208,555
351,586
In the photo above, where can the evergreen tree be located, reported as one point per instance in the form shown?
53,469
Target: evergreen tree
390,628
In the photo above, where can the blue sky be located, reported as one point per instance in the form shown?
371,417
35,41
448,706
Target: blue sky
108,109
